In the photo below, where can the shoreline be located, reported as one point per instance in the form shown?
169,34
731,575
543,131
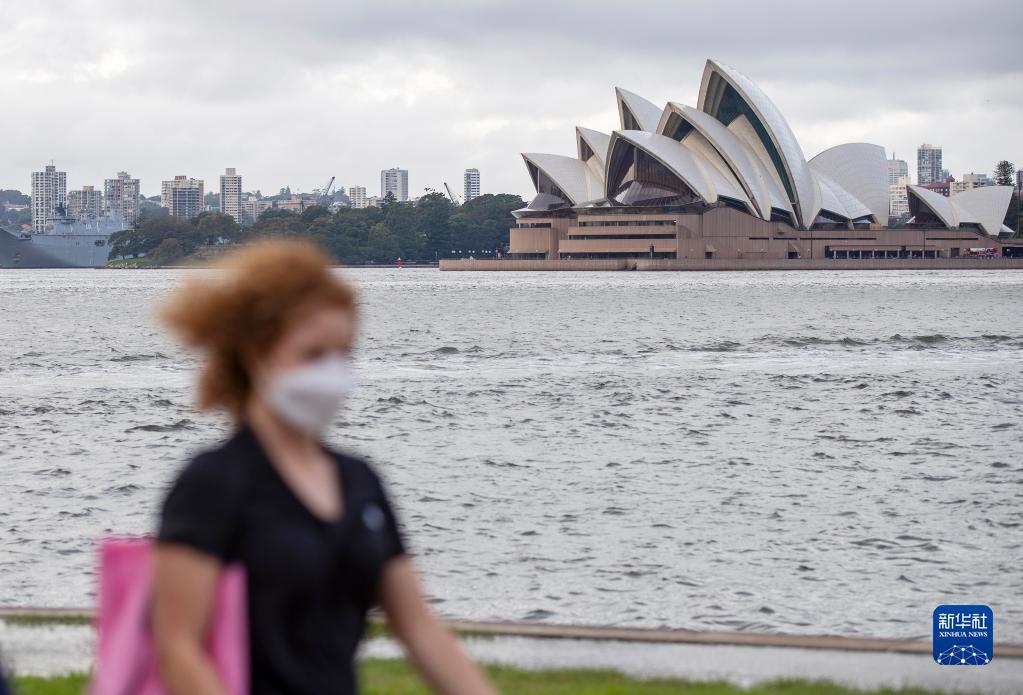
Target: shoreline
47,656
200,266
593,633
730,264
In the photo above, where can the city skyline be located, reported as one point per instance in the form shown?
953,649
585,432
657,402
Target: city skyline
306,119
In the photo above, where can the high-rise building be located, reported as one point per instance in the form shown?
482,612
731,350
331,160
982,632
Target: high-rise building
121,198
472,184
358,196
231,194
897,168
898,198
86,204
182,196
928,165
49,196
395,182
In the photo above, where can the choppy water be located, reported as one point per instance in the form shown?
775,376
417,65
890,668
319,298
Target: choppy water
798,452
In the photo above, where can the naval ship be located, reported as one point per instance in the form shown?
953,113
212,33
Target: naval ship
64,243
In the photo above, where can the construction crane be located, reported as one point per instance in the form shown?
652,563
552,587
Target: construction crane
323,195
454,198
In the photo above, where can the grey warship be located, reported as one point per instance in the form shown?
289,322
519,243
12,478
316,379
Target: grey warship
64,243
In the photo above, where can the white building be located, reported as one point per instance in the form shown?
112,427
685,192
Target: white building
296,203
968,182
121,198
231,194
928,165
357,194
253,207
472,184
898,197
395,182
85,204
183,196
49,196
897,169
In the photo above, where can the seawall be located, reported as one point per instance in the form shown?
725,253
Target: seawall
700,264
511,628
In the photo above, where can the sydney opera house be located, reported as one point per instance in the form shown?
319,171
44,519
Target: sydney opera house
728,179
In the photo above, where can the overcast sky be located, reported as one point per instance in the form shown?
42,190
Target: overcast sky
293,93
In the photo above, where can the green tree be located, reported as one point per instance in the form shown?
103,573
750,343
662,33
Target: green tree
151,211
429,229
274,222
344,236
314,212
148,235
216,226
433,222
15,218
15,197
169,252
1003,173
481,225
382,246
401,220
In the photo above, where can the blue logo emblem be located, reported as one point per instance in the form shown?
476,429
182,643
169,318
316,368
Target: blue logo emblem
964,635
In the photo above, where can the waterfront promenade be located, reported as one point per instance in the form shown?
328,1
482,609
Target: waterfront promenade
680,264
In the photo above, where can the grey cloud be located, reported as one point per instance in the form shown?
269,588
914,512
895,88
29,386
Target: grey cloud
291,94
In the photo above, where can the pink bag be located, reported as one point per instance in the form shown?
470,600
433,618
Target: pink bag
126,661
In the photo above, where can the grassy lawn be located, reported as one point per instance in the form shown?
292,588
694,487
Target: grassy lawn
58,685
130,263
395,677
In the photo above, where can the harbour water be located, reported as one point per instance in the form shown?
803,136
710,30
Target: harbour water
820,452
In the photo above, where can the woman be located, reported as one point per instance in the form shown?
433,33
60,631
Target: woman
313,527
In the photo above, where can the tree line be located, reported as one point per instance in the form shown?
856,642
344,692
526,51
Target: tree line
1004,172
432,229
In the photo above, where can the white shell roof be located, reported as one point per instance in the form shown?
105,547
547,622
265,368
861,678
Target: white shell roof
645,112
985,206
797,170
573,177
938,204
598,142
743,130
836,199
716,170
745,164
860,169
697,173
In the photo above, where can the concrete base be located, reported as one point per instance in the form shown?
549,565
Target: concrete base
736,264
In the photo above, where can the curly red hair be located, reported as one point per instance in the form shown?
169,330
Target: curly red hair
242,312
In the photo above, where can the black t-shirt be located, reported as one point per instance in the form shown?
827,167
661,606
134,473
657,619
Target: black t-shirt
310,581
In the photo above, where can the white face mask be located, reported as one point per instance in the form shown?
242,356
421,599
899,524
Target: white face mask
308,397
